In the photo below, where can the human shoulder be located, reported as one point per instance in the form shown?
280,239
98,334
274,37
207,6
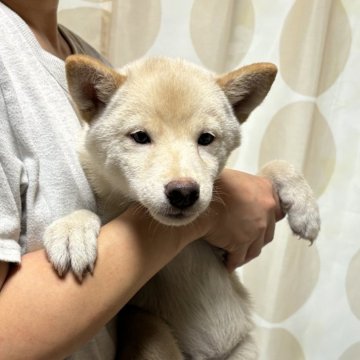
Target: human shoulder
79,45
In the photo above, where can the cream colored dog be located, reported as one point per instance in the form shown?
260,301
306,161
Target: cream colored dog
159,133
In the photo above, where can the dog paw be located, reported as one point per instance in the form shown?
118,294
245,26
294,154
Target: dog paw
296,198
71,242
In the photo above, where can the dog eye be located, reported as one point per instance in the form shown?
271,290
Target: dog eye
141,137
206,139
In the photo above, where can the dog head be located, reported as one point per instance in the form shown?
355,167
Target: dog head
161,130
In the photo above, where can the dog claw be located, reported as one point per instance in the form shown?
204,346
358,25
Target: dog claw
70,243
296,197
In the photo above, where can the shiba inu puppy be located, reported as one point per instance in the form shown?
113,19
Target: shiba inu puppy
159,133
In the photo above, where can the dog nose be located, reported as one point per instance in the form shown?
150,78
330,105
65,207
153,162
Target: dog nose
182,193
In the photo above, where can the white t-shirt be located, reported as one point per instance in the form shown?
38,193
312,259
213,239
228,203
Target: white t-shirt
40,175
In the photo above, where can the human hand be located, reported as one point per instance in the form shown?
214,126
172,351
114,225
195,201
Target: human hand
243,216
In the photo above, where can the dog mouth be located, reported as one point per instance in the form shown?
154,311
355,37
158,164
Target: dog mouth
175,217
178,215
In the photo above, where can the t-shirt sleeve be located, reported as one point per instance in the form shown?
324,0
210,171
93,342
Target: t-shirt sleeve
80,46
11,169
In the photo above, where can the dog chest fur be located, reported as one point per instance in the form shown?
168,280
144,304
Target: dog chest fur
189,295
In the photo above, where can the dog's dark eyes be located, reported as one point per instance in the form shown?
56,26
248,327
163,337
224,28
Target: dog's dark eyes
206,139
141,137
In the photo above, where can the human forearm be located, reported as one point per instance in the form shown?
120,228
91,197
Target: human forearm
44,316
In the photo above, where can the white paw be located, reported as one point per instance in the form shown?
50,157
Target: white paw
296,197
304,217
71,242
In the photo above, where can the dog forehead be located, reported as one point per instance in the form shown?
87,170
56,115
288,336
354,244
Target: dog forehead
173,88
157,66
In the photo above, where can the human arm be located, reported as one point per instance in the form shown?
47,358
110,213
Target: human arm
47,317
50,317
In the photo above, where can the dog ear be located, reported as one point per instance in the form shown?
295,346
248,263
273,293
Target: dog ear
247,87
91,84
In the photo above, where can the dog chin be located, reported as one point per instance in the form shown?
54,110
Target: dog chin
174,219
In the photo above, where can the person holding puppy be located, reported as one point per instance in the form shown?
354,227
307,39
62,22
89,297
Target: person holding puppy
42,315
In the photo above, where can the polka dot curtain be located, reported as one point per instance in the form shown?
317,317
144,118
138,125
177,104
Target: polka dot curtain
306,299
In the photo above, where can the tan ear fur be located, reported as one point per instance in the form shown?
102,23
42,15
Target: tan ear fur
247,87
91,84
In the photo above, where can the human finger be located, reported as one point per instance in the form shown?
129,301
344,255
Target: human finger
236,258
269,231
254,250
279,213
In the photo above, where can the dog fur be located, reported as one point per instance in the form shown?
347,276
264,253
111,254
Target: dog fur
158,127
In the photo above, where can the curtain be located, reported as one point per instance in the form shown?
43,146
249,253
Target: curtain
306,299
